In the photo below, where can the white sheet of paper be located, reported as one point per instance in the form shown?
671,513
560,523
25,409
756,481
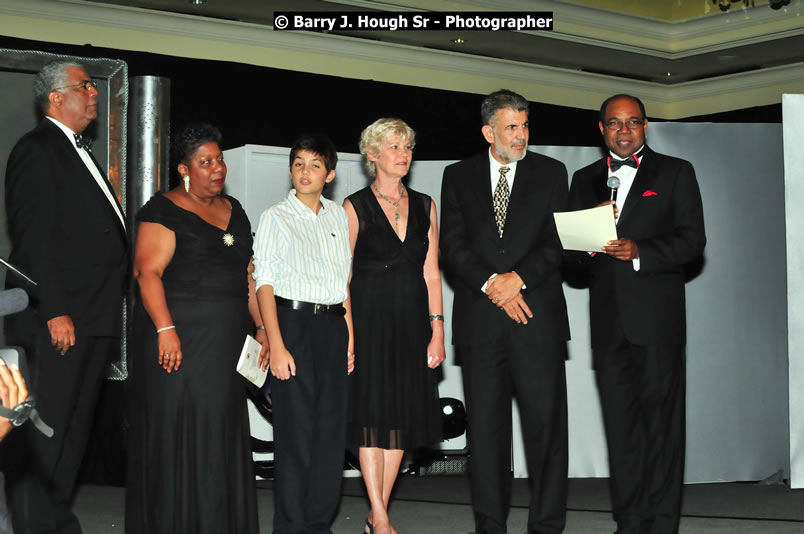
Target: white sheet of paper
247,364
586,230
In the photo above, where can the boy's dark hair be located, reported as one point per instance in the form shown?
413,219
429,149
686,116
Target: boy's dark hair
318,144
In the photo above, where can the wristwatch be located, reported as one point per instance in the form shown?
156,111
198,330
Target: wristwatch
19,413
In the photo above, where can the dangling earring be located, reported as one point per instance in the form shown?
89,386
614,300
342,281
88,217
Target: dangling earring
187,183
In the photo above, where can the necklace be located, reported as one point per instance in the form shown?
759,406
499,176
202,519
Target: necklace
394,203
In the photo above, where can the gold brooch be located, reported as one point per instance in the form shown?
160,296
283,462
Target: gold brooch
228,239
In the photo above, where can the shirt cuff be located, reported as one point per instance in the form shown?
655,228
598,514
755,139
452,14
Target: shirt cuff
483,289
524,285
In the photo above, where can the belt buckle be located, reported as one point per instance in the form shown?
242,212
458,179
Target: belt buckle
318,309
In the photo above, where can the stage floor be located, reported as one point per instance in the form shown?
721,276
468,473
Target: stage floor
440,505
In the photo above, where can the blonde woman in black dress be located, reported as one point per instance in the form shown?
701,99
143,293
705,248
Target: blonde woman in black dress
398,316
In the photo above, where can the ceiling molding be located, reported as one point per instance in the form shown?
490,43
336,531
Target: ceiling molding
650,36
689,52
597,27
425,67
722,86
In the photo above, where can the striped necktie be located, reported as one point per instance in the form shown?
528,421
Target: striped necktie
501,196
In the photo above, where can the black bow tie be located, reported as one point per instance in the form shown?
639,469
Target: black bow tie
615,164
83,142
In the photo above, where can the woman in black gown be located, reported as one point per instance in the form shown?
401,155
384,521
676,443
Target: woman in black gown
190,468
397,313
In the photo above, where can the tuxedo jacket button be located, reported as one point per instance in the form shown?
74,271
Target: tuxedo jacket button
502,251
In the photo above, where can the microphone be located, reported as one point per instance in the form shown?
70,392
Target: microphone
13,301
17,272
613,183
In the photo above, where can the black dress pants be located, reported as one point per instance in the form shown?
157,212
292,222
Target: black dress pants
41,472
309,412
535,375
642,394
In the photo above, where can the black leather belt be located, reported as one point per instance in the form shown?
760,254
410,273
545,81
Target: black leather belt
311,307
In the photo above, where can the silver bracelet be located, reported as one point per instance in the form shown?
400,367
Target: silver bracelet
165,328
436,317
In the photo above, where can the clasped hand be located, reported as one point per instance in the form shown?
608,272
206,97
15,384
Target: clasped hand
505,292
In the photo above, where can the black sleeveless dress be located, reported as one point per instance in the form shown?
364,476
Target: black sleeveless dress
393,395
190,461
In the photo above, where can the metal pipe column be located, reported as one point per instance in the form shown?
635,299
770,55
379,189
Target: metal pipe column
147,163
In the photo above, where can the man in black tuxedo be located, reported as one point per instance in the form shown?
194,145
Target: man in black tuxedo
501,251
638,314
68,233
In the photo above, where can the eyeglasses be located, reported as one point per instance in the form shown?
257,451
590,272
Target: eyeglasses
83,84
632,124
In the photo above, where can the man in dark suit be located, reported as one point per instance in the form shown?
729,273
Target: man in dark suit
501,250
68,233
638,314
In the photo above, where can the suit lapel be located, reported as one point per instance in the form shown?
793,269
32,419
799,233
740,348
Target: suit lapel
92,191
524,185
602,191
645,177
108,186
484,196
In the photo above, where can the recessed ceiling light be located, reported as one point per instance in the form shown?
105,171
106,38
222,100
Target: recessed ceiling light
458,40
197,2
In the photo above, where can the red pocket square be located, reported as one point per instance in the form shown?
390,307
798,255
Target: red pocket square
649,193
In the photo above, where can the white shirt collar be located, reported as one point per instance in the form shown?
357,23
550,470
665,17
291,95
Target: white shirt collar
640,153
303,208
495,166
64,128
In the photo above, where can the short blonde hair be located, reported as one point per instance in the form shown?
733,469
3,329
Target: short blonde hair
376,133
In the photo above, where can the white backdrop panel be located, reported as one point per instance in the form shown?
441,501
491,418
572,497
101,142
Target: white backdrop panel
736,309
587,442
736,355
793,120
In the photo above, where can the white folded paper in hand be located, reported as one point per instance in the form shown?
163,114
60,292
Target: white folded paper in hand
247,364
586,230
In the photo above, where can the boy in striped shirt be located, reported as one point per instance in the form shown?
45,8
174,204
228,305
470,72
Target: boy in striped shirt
302,261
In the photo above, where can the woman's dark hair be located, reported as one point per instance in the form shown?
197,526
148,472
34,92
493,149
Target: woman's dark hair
318,144
189,138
